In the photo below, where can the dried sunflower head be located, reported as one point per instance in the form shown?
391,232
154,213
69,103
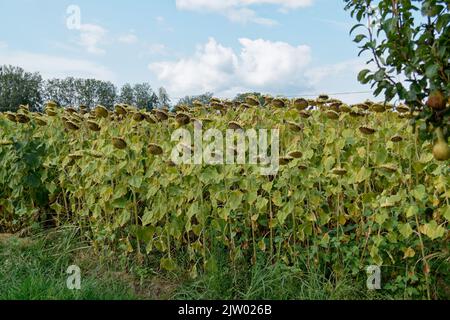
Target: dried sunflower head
41,122
305,114
229,104
377,107
119,143
331,114
366,130
22,118
121,109
285,160
155,149
252,101
334,105
397,138
300,104
101,112
295,154
183,118
215,100
11,116
235,126
278,103
93,126
339,171
356,114
161,115
296,127
363,106
71,126
403,108
51,112
138,116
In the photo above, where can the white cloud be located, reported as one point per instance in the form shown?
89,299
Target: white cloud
130,38
212,68
276,68
3,45
340,78
265,63
50,66
91,36
238,11
260,65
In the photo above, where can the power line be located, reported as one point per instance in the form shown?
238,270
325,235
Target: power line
330,94
311,94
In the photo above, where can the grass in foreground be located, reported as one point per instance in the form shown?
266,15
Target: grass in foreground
35,269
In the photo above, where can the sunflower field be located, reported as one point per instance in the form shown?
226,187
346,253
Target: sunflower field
356,186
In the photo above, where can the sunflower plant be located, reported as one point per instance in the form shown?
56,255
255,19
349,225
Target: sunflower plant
355,187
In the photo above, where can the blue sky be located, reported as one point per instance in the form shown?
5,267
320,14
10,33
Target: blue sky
281,47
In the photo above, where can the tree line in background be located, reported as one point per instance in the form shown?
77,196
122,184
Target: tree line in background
20,87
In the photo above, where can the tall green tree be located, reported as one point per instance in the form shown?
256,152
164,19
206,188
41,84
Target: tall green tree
19,87
74,92
154,102
106,94
409,45
61,91
127,95
163,98
142,94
